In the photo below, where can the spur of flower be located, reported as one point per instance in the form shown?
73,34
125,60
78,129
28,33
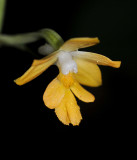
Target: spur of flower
76,68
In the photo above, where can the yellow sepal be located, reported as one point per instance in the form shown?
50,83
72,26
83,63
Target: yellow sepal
97,59
76,43
37,68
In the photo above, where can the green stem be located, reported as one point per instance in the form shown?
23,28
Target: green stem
2,10
21,40
24,38
52,37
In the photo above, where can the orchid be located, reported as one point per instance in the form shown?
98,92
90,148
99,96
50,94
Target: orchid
76,68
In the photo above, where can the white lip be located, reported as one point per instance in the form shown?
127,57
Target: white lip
66,62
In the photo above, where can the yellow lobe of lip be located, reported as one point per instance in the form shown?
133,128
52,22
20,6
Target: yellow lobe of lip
68,111
54,93
66,80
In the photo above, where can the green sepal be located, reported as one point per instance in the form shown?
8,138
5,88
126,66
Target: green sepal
52,37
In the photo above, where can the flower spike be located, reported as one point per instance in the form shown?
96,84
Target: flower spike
75,68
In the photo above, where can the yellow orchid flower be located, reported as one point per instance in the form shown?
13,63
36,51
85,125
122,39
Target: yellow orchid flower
75,68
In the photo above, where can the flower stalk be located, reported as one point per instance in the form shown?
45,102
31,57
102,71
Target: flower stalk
20,41
76,68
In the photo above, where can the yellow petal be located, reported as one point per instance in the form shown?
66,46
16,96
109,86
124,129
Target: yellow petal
76,43
37,68
61,112
81,93
54,94
88,74
73,109
98,59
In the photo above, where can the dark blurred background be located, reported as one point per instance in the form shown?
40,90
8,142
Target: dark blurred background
114,22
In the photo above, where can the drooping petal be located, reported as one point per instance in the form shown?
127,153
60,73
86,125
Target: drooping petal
81,93
37,68
97,59
73,109
61,112
76,43
54,94
88,74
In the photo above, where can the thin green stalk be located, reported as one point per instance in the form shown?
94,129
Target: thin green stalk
2,10
17,39
52,37
20,41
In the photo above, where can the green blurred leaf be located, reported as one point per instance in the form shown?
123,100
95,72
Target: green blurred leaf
2,10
